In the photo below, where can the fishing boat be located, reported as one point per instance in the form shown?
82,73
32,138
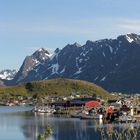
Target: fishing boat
44,109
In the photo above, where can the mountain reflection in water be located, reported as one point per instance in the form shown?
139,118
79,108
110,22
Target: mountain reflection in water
63,128
28,125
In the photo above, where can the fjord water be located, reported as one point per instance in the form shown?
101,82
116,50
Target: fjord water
18,123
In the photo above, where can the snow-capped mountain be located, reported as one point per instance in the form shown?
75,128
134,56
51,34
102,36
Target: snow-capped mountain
7,74
111,63
30,63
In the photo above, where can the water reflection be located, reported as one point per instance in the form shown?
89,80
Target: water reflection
63,128
34,124
27,126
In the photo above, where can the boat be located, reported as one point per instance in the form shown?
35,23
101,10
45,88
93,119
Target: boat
44,109
126,118
79,114
91,116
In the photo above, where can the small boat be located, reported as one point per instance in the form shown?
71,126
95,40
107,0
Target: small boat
91,116
79,114
126,118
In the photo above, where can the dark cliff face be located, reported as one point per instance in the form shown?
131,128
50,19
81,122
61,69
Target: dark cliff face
111,63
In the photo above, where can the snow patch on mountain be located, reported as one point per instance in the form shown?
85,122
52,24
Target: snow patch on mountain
55,54
63,70
111,50
129,39
80,60
103,54
96,78
77,65
78,72
103,79
55,68
7,74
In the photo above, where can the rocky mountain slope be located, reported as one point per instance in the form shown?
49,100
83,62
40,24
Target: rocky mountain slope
111,63
30,63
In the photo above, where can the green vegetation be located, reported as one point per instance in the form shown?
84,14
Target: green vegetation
53,87
41,137
44,135
126,131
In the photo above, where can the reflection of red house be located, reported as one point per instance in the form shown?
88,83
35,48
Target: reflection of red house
110,110
92,104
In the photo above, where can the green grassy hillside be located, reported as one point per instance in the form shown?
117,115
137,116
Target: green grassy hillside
53,87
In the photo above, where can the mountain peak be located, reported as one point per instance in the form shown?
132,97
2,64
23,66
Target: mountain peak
38,57
77,44
41,54
89,42
132,34
41,50
131,37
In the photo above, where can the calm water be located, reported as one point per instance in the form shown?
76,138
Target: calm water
16,124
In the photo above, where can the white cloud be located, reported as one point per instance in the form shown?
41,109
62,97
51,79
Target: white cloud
89,28
133,25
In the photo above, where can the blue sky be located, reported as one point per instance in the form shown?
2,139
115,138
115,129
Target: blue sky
26,25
